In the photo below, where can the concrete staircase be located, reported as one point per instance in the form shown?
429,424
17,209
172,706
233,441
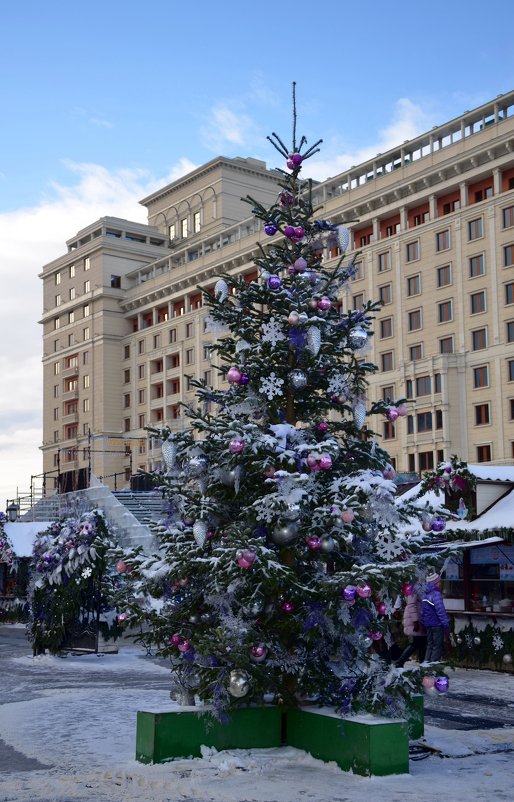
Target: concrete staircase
147,507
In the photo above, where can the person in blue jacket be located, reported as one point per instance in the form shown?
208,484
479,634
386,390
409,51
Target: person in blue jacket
434,618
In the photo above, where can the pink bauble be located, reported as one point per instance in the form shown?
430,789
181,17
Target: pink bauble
236,445
121,567
242,563
293,319
290,164
175,639
311,460
210,533
313,304
402,411
287,606
392,414
428,682
364,591
347,516
246,559
381,608
375,635
316,467
313,542
322,426
122,617
389,472
408,589
184,646
325,462
233,375
258,651
300,265
324,304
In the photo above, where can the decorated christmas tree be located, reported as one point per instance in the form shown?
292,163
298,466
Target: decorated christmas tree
284,551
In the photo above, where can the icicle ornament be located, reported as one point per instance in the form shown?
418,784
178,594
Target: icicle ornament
200,532
169,454
314,340
359,412
221,290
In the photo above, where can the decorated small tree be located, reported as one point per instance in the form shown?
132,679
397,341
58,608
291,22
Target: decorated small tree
283,553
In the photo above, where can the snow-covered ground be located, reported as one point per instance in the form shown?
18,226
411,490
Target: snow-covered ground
84,731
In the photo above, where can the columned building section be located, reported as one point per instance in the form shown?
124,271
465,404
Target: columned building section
125,329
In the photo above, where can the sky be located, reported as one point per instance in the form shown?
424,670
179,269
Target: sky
103,102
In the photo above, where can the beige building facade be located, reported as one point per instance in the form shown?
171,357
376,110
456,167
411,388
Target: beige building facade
124,326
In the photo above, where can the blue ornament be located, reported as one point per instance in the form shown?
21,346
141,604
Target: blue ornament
274,282
270,229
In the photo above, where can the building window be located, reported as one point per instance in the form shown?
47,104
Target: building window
410,424
414,285
189,330
126,352
85,357
446,345
386,360
142,421
56,413
416,352
141,371
87,286
57,323
56,391
140,346
477,302
116,282
444,312
157,341
389,430
87,263
508,256
509,293
85,381
86,310
58,300
388,393
484,453
478,339
510,370
56,436
126,376
72,293
423,385
126,400
172,231
183,228
482,194
56,345
414,320
475,229
58,277
57,368
444,276
412,463
190,356
86,333
424,422
442,240
482,414
439,419
85,405
511,407
384,294
480,377
412,251
386,328
426,460
141,396
358,301
359,272
196,222
207,350
510,331
408,388
71,317
126,424
72,271
172,336
384,261
508,217
476,266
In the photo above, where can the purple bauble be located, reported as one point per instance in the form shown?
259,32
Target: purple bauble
389,472
234,375
441,684
375,635
258,653
364,591
297,159
324,304
236,445
244,378
270,229
325,462
438,524
290,164
402,411
381,608
408,589
348,593
300,265
291,270
392,415
287,606
313,542
322,426
274,282
175,639
285,198
184,646
246,558
299,232
289,232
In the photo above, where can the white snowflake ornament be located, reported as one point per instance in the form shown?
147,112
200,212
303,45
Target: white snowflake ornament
271,385
272,332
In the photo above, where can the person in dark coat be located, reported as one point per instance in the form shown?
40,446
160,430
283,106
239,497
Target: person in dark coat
434,618
414,630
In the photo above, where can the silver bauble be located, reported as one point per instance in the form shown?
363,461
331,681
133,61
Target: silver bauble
297,379
287,533
227,478
328,544
303,318
257,607
221,290
292,512
200,532
169,453
197,465
357,338
359,413
294,318
507,659
239,683
314,340
367,642
477,641
195,618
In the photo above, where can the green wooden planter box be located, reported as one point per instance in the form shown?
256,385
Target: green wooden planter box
181,733
363,744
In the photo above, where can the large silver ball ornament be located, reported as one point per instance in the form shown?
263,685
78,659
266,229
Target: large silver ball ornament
507,659
239,683
287,533
292,512
227,478
357,338
328,544
477,641
197,466
297,379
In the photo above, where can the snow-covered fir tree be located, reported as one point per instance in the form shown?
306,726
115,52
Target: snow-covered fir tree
283,552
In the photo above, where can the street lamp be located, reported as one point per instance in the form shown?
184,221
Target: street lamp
12,511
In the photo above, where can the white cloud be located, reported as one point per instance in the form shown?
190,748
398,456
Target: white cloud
227,125
100,122
408,121
29,238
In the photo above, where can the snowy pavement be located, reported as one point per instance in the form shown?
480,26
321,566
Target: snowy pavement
67,730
